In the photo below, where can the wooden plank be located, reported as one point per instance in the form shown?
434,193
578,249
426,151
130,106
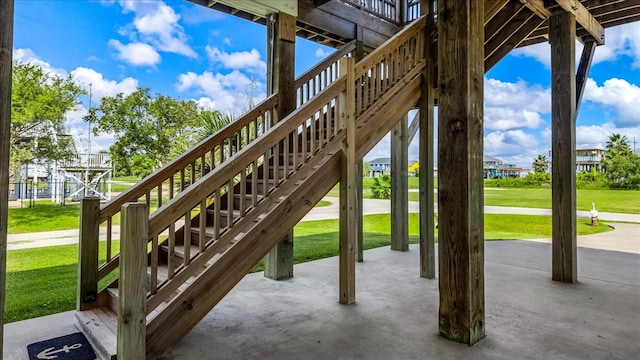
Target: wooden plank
426,153
278,264
584,18
348,213
460,189
399,187
132,299
588,51
562,29
538,8
359,212
87,289
493,56
6,47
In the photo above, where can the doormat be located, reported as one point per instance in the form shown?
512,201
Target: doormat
68,347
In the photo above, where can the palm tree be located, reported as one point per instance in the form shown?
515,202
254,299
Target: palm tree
541,164
618,145
210,122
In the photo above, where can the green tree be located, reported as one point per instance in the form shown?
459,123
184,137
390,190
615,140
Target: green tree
541,164
622,167
148,129
381,187
39,102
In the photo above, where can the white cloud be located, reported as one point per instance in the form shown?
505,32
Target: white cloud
516,105
101,87
160,28
598,135
155,28
30,57
224,92
513,147
321,53
138,54
619,96
242,60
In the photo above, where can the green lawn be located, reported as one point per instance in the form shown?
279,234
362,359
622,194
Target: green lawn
42,281
45,216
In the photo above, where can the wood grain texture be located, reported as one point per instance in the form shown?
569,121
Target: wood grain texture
278,264
348,178
584,18
6,48
399,186
426,156
87,292
460,189
562,34
586,58
132,298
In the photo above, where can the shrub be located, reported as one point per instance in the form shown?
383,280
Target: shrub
381,187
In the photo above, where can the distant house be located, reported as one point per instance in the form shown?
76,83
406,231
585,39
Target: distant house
380,166
413,168
587,159
496,169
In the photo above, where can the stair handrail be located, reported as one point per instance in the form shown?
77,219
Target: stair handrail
210,152
272,144
238,167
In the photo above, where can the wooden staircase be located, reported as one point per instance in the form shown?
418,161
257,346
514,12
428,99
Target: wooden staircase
211,227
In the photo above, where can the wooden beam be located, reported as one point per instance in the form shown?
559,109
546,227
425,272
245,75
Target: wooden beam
588,51
460,189
281,37
426,156
132,292
538,8
493,56
6,48
348,211
584,18
87,290
399,187
414,125
562,29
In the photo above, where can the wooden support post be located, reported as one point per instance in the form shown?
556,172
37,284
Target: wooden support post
359,212
132,297
399,187
359,55
281,37
348,179
562,35
6,51
426,179
87,293
460,189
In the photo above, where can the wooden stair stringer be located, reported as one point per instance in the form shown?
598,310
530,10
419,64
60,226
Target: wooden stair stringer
292,200
299,197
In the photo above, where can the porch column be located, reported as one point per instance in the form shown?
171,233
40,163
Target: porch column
460,189
399,187
426,179
281,37
562,36
348,200
6,48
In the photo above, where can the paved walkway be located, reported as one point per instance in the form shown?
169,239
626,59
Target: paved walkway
625,237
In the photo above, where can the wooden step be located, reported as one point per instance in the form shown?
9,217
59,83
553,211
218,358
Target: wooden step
179,250
99,325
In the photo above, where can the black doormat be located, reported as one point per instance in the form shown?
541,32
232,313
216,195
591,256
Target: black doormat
68,347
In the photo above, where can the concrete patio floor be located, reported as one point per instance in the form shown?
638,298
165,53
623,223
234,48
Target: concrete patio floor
528,316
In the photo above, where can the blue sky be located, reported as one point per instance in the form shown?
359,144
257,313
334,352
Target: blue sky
187,51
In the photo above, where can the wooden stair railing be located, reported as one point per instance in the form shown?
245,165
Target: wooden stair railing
189,168
207,237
